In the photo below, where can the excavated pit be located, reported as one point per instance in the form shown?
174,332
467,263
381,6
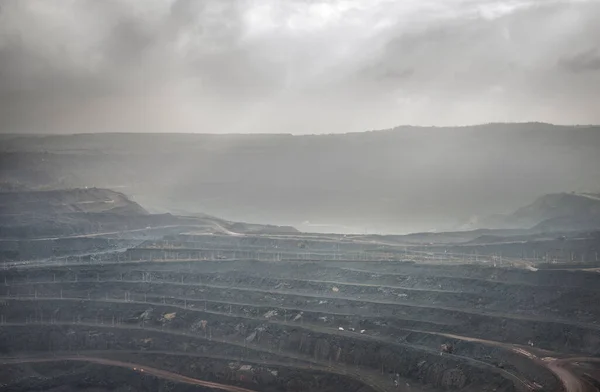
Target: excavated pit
366,326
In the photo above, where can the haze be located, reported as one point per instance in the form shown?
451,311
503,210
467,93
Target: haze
295,66
300,195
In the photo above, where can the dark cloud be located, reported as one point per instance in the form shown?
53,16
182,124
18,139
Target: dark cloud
295,66
128,42
582,62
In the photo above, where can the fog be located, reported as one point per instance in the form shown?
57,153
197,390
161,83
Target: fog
221,66
305,67
396,181
300,195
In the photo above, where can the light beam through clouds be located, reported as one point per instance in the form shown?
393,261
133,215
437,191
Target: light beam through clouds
294,66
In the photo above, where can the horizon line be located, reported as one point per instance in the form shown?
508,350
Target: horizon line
398,127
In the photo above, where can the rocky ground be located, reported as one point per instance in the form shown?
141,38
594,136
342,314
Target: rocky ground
272,313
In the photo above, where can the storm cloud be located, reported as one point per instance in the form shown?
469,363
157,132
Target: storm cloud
294,66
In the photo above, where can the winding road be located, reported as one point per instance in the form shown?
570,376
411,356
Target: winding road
135,367
571,381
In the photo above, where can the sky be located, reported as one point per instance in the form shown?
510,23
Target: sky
295,66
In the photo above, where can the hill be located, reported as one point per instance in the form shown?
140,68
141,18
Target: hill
82,200
399,180
552,212
94,211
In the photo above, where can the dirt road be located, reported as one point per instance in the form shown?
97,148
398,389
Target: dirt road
572,381
560,367
135,367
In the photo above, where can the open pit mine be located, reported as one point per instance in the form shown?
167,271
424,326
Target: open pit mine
206,305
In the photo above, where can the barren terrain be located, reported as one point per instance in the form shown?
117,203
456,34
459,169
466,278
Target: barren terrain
257,318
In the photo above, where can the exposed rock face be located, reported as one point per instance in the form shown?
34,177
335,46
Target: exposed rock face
56,202
551,212
85,211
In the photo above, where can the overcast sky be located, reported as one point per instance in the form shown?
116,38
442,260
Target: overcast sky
295,66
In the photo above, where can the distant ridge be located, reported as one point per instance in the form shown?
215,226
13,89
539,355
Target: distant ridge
62,201
97,211
551,212
407,179
505,125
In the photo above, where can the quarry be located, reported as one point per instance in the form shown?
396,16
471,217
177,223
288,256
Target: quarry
299,196
96,292
296,315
